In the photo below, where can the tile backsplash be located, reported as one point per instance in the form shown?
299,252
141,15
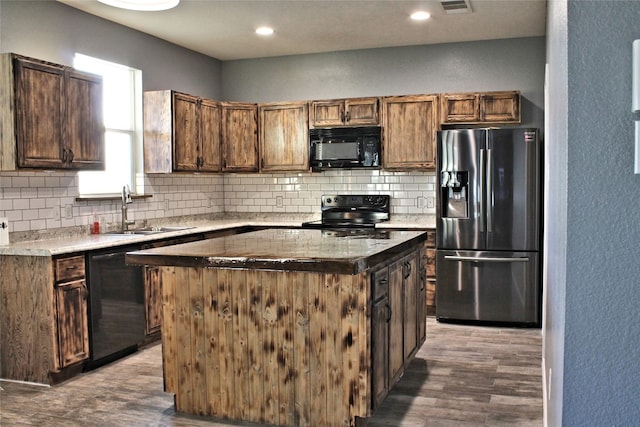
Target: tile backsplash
47,200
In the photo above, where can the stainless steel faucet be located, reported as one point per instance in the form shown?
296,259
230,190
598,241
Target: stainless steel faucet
126,199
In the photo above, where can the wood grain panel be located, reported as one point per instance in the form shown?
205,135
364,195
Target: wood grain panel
27,333
291,346
169,329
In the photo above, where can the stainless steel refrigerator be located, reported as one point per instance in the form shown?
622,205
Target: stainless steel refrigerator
488,226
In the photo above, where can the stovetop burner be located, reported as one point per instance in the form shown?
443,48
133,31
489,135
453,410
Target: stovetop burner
351,211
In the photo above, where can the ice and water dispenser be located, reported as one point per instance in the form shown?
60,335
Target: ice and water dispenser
454,193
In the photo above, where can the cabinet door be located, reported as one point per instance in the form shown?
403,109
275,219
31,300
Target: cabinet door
153,299
460,107
327,113
71,321
409,132
410,291
209,129
362,111
39,89
396,321
239,137
185,132
284,137
380,350
500,107
85,123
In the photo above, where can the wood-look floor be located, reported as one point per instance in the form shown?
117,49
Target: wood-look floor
462,376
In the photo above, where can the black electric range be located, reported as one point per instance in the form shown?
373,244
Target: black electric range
352,215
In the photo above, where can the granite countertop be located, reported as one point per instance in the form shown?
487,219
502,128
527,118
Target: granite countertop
286,249
47,245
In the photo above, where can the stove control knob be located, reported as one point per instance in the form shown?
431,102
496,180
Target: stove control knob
328,200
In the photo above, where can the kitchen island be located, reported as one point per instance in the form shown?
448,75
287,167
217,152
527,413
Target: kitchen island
280,326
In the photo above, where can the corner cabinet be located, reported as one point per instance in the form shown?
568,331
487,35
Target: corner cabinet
481,108
409,128
51,116
345,112
181,133
239,135
284,136
43,312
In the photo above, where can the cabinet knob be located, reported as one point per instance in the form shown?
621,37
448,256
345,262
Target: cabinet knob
348,117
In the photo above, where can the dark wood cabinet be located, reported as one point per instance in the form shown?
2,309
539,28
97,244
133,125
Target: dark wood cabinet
398,321
410,124
239,137
428,272
52,116
380,316
284,136
481,107
182,133
71,317
345,112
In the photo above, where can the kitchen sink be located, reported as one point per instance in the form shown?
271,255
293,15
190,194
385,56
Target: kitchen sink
150,230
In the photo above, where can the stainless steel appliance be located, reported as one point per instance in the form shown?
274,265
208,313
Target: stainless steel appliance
116,305
488,226
352,213
355,147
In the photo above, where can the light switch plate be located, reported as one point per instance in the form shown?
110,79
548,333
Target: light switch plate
4,231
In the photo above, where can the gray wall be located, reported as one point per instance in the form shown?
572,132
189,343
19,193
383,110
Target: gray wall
55,32
456,67
599,307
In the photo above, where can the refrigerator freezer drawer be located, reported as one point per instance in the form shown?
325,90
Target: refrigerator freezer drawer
488,286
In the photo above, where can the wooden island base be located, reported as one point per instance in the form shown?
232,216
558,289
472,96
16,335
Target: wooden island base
277,347
289,327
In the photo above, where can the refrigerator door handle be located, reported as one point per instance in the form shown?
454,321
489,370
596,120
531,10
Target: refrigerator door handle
485,259
481,192
489,195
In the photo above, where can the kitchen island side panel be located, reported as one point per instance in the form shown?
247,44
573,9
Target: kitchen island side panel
284,348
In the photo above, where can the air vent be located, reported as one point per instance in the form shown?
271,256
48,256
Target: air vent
456,6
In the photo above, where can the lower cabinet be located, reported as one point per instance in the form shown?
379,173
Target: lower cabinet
398,318
70,293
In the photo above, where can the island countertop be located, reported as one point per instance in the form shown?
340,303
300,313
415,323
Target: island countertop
285,249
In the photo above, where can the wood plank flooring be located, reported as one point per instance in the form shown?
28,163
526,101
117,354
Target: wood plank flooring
462,376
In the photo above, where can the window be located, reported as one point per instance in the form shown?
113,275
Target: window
122,97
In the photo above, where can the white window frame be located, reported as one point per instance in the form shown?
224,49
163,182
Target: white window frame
134,132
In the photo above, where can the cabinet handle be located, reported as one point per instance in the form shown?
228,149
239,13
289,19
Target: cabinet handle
348,117
64,155
71,156
342,116
407,269
388,312
383,281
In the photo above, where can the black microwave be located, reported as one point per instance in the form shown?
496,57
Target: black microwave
344,148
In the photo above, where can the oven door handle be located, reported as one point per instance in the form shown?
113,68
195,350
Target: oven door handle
485,259
107,256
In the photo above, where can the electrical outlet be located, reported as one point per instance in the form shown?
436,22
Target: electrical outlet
279,201
68,212
166,205
430,202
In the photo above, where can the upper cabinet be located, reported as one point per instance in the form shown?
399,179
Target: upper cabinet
284,136
409,131
345,112
181,133
51,116
480,108
239,137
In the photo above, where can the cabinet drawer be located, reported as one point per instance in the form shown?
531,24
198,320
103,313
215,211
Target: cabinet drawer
69,268
380,283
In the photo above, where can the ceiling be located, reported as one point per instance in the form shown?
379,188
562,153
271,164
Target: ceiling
224,29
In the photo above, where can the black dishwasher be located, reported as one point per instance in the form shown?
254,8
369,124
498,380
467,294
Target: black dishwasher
116,305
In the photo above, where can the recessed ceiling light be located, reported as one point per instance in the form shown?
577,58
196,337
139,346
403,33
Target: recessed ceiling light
264,31
144,5
421,15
